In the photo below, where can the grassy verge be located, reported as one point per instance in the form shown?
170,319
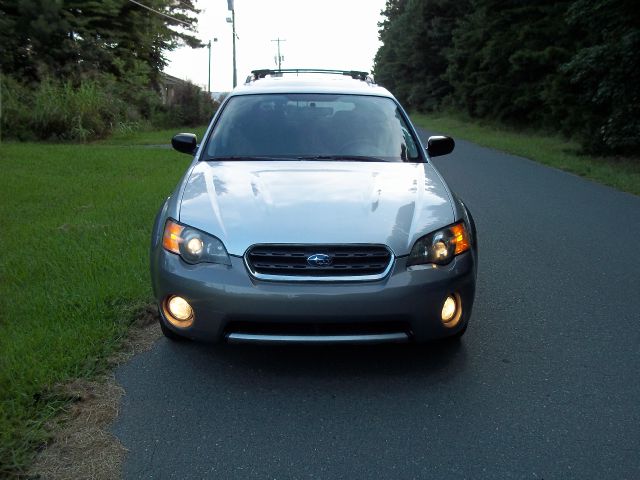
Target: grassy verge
75,223
623,174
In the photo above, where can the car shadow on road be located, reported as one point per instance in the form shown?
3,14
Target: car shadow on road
266,408
433,359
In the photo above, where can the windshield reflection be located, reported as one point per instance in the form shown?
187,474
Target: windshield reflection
312,126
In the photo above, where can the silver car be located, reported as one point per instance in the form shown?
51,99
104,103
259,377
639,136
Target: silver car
311,213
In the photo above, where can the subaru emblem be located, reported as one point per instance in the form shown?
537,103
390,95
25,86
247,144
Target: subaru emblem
319,260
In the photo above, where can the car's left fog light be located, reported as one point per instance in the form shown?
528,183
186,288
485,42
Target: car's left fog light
178,311
451,310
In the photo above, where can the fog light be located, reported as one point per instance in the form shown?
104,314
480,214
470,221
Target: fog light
451,310
179,312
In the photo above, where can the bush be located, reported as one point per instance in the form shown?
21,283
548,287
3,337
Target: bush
58,110
14,113
190,107
94,108
62,111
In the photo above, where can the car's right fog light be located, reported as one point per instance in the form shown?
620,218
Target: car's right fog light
451,310
178,311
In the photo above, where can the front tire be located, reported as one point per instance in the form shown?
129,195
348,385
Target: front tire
170,334
457,337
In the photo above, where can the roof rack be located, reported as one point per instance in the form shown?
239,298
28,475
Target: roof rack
355,74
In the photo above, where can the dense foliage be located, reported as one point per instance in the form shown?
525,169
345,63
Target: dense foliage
569,66
78,69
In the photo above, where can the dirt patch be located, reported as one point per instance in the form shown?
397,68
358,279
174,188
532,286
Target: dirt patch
82,446
143,334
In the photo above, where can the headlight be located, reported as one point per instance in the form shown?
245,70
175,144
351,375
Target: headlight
440,247
193,245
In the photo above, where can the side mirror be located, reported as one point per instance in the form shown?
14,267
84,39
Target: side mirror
438,145
185,143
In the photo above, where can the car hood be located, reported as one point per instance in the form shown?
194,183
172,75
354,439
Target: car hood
310,202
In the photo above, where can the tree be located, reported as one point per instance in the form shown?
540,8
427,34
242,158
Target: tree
416,35
77,69
570,66
72,39
600,83
389,61
504,56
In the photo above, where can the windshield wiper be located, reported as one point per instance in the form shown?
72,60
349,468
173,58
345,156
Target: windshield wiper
343,158
336,158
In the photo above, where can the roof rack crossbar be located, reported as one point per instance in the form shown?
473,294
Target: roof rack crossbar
355,74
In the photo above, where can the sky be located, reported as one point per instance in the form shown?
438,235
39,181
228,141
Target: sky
341,34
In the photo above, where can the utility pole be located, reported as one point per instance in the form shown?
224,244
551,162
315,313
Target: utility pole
232,20
280,57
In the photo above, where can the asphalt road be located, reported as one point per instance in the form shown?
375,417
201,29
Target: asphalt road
546,382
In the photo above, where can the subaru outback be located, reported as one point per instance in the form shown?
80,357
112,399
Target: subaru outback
312,213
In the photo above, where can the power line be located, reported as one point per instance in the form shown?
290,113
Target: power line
160,13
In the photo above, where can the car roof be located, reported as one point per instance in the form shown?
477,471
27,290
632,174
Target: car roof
311,83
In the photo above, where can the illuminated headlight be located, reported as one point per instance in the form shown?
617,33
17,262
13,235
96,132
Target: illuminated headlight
193,245
441,246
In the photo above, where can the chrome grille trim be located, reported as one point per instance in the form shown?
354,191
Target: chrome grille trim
293,259
371,338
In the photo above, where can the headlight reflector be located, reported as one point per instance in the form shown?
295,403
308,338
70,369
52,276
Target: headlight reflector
193,245
441,246
440,251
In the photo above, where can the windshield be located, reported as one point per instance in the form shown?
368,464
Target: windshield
311,127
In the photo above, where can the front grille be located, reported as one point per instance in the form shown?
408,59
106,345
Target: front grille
293,260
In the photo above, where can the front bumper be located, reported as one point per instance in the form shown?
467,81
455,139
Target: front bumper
229,303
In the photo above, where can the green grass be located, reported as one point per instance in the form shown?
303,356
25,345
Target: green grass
623,174
75,223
